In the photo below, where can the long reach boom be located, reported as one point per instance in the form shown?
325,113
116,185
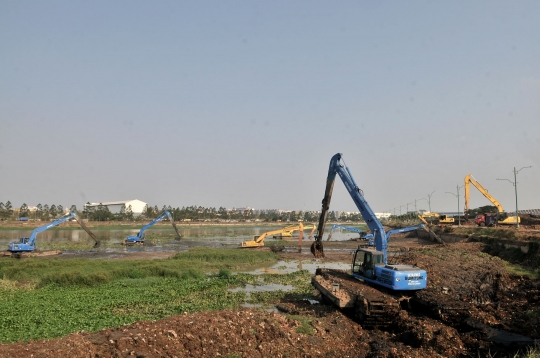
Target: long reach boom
381,237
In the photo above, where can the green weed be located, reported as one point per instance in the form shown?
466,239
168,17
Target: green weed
306,324
86,272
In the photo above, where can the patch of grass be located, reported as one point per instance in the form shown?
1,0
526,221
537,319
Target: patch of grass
306,324
533,313
533,274
86,272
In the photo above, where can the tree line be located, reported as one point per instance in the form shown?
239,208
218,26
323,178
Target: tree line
186,213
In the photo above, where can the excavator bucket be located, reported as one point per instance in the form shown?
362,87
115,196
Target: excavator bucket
317,249
178,235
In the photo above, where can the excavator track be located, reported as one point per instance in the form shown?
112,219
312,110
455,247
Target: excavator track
372,307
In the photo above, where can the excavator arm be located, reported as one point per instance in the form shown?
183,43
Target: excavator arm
258,241
28,243
140,236
375,226
348,228
469,179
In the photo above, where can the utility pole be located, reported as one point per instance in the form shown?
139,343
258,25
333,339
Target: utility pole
515,189
429,199
458,187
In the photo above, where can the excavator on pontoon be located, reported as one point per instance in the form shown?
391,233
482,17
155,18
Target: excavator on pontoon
28,244
371,275
258,240
140,237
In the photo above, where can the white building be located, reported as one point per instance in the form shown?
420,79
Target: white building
114,207
382,215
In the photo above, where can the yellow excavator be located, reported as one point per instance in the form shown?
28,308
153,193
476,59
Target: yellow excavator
483,219
436,218
258,240
287,234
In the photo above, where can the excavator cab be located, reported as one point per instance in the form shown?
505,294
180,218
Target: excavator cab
365,261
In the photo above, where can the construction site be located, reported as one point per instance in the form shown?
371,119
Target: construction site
449,287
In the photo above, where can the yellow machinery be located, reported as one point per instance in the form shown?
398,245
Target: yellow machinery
503,218
285,234
437,218
258,240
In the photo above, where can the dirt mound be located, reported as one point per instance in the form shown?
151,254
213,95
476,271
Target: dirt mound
464,282
250,333
532,221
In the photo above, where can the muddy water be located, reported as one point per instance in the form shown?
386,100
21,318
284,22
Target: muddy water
283,267
162,237
224,235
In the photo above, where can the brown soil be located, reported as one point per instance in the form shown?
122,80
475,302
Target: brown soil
470,299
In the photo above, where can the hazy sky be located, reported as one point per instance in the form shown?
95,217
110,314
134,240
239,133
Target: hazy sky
243,103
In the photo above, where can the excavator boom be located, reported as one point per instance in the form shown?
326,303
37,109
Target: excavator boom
258,240
139,238
469,179
27,244
380,237
502,217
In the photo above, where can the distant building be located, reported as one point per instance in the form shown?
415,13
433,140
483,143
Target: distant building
382,215
114,207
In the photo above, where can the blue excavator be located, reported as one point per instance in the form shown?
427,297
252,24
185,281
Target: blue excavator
28,244
363,234
373,285
139,238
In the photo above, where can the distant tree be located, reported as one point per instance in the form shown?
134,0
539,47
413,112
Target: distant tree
39,211
53,211
73,208
102,213
88,211
8,209
332,216
483,209
121,216
129,213
46,213
150,212
60,209
23,211
144,210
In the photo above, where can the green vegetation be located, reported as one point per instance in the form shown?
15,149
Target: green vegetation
500,233
54,297
306,324
533,274
86,272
